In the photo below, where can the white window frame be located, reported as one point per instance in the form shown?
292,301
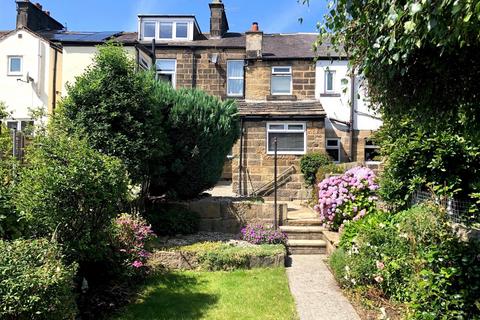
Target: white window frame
14,73
18,121
281,74
173,73
143,30
286,130
371,146
174,34
236,78
327,72
337,147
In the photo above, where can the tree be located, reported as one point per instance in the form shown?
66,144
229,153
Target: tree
422,64
118,111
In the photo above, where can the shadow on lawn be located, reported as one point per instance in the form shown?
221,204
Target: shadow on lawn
170,296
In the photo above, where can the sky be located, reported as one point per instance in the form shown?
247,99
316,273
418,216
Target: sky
273,16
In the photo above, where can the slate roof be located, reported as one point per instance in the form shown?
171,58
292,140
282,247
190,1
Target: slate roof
298,109
4,33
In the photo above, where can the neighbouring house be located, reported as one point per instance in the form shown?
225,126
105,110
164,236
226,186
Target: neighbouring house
305,100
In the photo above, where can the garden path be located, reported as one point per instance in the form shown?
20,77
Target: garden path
317,295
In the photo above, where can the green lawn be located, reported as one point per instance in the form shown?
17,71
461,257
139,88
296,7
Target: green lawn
241,294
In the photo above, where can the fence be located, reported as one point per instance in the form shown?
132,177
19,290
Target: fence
458,210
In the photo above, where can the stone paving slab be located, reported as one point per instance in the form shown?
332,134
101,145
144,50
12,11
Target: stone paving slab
317,295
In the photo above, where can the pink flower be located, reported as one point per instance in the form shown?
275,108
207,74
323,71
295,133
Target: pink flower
380,265
379,279
137,264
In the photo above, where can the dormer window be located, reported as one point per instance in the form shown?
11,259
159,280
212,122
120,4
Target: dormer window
163,28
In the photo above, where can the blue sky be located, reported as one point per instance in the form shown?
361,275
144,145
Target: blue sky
120,15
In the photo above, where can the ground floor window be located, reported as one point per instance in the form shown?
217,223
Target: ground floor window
19,125
372,151
291,137
332,145
166,70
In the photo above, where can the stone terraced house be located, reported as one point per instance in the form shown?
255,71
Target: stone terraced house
305,99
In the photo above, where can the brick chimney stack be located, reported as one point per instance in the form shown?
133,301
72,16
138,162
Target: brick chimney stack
218,19
254,42
32,16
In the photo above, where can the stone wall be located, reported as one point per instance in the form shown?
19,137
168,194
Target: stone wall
258,166
207,76
229,215
258,77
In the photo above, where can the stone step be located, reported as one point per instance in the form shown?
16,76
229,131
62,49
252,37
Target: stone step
306,247
303,222
303,232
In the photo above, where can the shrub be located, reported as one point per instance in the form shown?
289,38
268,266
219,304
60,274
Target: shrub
201,130
70,192
34,282
131,235
414,257
119,111
171,219
310,163
258,234
346,197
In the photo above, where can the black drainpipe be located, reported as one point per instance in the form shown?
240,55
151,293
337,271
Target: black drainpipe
352,114
240,164
54,96
154,59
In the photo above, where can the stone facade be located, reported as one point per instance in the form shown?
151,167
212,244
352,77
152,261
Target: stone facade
258,166
359,139
258,79
194,68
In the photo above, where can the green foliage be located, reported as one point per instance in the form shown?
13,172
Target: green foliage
10,226
34,282
215,256
311,163
201,130
171,219
70,192
415,258
430,110
119,111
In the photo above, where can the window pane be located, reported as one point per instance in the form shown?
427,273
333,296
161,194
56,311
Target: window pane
334,154
332,143
277,127
372,154
182,30
166,30
295,127
281,84
235,86
166,65
26,125
235,69
15,64
12,125
329,81
293,142
165,77
281,70
149,29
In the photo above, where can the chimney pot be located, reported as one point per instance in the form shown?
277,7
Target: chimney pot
39,6
255,27
47,12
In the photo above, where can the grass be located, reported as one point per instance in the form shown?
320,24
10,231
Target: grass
241,294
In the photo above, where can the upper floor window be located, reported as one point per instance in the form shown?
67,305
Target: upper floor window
20,125
166,70
329,81
15,65
281,83
165,28
291,137
235,78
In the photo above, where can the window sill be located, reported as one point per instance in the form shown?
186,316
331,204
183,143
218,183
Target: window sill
329,94
282,97
287,153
